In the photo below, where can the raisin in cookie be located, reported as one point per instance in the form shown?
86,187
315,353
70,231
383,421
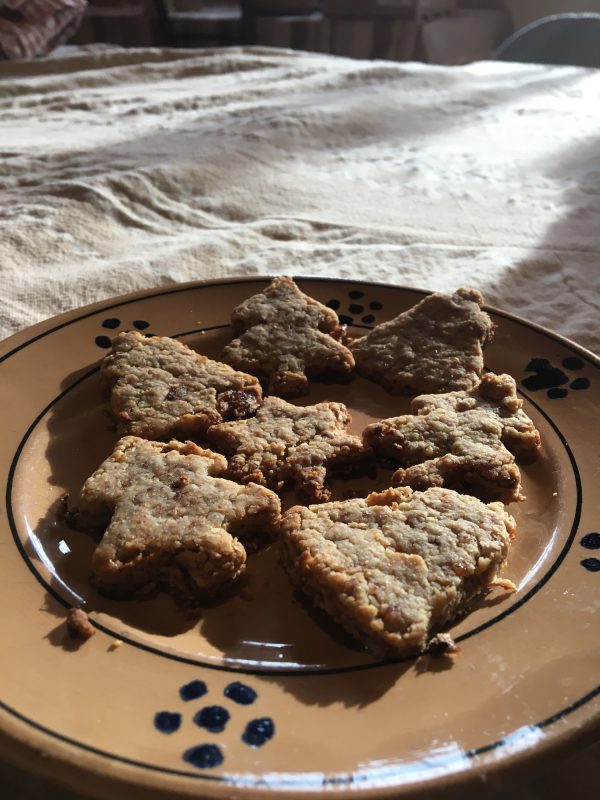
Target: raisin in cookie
461,451
169,520
396,567
159,388
286,444
498,395
436,346
283,336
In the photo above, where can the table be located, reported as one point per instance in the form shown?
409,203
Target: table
126,169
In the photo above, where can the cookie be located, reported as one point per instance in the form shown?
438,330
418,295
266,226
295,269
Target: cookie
457,450
169,520
436,346
283,336
287,444
498,395
159,388
282,299
397,566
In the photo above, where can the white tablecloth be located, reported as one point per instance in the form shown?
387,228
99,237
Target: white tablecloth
121,170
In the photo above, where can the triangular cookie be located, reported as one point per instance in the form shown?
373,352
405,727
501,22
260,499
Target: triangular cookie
395,568
436,346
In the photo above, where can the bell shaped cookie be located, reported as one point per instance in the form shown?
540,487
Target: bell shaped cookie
436,346
159,388
169,520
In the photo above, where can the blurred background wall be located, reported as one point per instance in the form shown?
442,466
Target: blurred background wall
525,11
436,31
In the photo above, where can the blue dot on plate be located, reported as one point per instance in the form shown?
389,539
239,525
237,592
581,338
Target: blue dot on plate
593,564
355,294
591,541
555,394
103,341
354,308
258,731
112,323
167,721
368,319
213,718
375,305
572,363
580,383
345,319
140,324
193,690
240,693
204,756
335,304
546,376
537,364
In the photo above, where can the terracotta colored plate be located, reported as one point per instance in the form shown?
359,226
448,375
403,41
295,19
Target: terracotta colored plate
120,714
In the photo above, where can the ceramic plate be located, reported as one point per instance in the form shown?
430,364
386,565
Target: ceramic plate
262,695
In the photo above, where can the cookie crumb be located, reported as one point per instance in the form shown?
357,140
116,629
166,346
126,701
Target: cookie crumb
442,644
78,624
115,645
69,515
504,583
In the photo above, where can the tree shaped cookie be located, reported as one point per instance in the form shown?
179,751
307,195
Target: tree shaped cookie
170,520
498,395
395,567
284,336
290,444
461,451
159,388
436,346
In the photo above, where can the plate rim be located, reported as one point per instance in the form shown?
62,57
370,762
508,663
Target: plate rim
57,747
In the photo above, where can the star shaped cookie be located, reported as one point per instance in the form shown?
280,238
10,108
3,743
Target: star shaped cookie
288,444
496,394
461,451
